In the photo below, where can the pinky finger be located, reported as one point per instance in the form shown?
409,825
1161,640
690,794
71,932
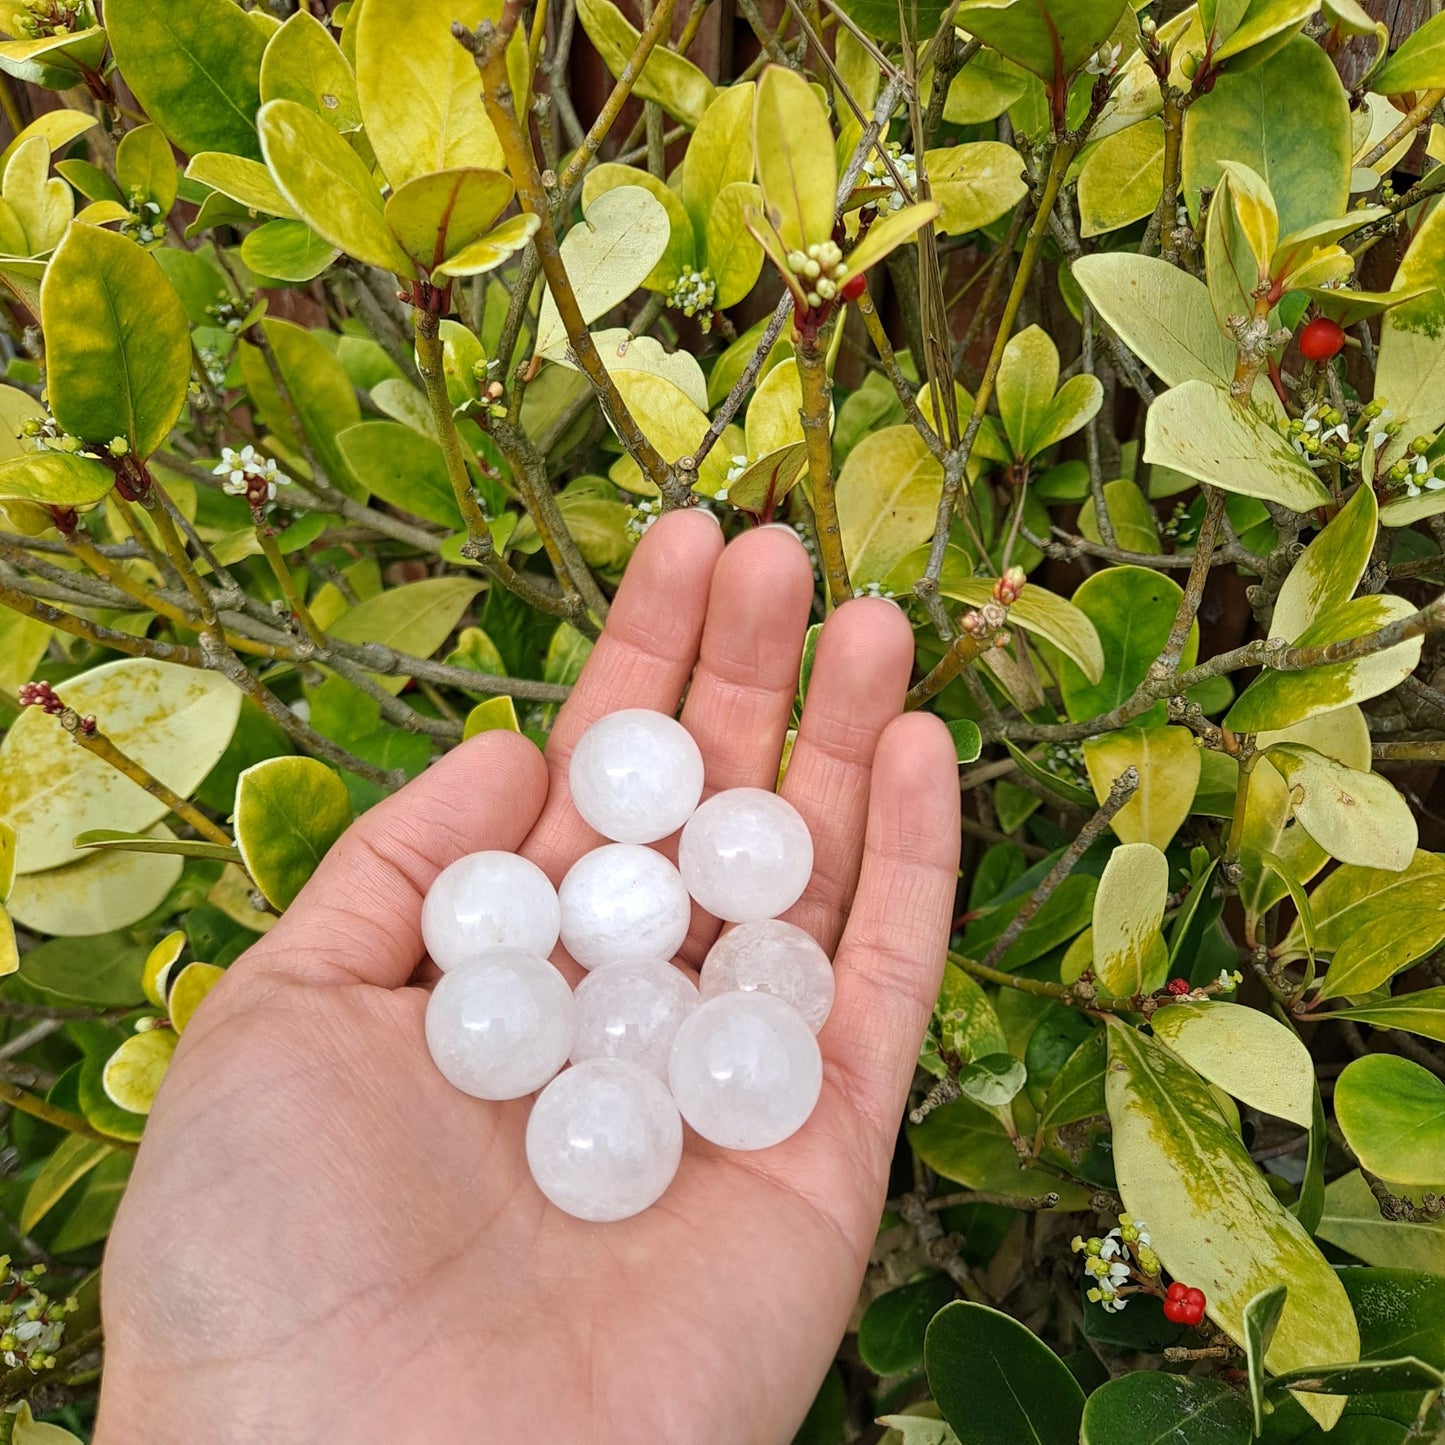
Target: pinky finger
890,961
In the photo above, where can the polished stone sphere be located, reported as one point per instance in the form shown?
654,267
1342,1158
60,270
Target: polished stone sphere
489,900
772,957
622,903
632,1011
500,1026
745,1070
604,1140
745,855
635,775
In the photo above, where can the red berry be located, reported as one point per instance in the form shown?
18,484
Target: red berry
1176,1291
1178,986
1175,1311
1321,339
852,288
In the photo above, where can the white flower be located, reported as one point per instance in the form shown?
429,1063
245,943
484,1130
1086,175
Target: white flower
1104,59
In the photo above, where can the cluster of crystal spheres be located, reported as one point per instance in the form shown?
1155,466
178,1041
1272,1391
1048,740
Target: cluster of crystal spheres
734,1054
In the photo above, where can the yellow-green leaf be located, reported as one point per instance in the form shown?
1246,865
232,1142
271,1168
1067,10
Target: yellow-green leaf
1352,1221
435,216
1355,816
720,153
1330,569
495,714
245,181
192,984
194,68
673,81
1392,1114
1120,179
1419,63
1277,699
1168,761
1246,1053
145,169
683,241
1213,1219
674,423
104,891
419,90
625,234
887,495
1046,615
416,618
55,479
133,1073
1421,1012
974,184
797,171
1410,374
174,721
155,978
9,948
28,1431
327,184
303,63
58,127
1129,953
729,248
1199,429
74,1157
488,252
888,232
118,346
285,250
289,811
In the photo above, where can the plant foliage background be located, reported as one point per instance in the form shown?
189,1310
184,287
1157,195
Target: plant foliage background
349,351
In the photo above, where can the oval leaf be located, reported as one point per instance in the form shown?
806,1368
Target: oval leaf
289,811
1392,1113
1129,952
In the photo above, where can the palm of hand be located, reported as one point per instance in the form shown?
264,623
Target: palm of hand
323,1241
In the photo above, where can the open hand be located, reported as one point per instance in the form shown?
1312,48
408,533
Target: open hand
323,1241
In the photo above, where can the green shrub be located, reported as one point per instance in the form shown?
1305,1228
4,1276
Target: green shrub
1115,352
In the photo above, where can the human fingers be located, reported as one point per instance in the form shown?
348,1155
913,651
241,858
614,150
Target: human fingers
890,960
643,659
859,679
359,917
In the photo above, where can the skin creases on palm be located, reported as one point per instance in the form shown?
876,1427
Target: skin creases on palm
324,1242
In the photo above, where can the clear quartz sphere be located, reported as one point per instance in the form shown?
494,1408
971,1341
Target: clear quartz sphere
635,775
745,1070
622,903
632,1011
500,1026
745,855
604,1140
772,957
489,900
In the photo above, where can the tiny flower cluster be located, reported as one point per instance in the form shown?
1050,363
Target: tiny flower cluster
1105,60
145,224
39,19
1182,989
693,293
1122,1255
642,515
248,474
821,269
878,174
48,437
876,589
1322,436
43,696
32,1324
225,312
1415,472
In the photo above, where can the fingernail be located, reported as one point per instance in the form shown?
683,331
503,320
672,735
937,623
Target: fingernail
781,527
707,512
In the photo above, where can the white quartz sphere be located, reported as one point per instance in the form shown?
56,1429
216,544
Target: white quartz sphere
746,854
500,1026
635,775
604,1140
489,900
745,1070
632,1011
622,903
772,957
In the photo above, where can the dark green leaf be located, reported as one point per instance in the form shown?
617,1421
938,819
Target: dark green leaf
1150,1408
890,1334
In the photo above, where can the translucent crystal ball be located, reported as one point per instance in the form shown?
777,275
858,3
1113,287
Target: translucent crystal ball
772,957
489,900
636,775
745,1070
632,1011
746,855
500,1026
604,1140
622,903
